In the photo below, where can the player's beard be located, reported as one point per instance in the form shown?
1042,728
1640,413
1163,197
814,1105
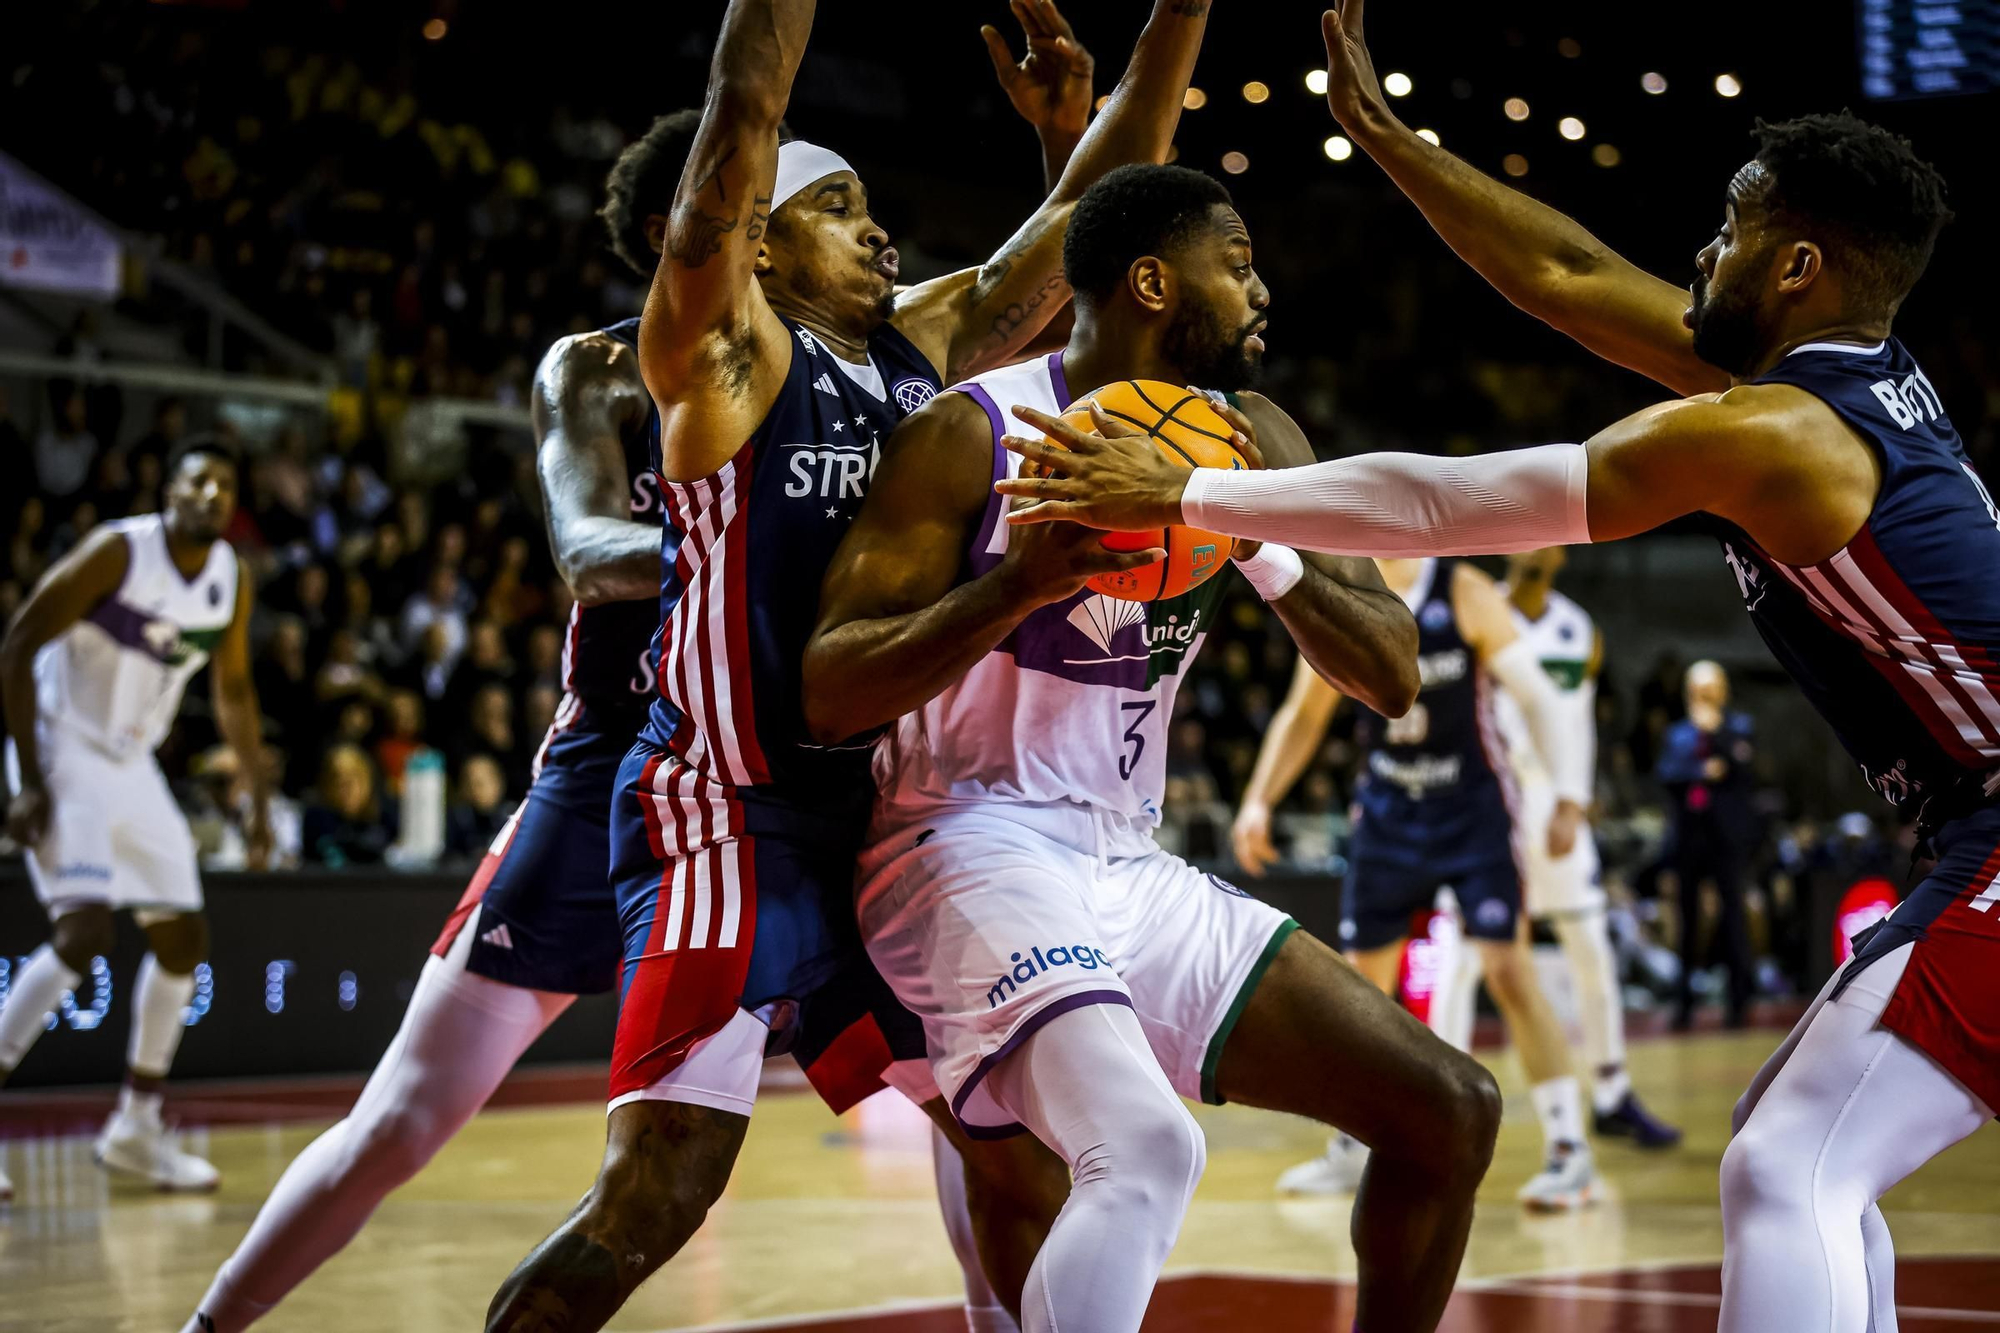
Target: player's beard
1728,333
1208,352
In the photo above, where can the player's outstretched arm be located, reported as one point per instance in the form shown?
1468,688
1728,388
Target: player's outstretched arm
893,632
1344,619
1539,259
66,594
588,392
1289,744
980,318
705,311
233,692
1051,85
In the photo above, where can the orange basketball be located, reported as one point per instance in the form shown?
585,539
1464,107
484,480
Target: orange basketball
1189,431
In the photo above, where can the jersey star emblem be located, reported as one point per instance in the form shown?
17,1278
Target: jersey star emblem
861,423
833,512
837,426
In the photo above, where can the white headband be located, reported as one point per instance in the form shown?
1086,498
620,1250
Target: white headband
800,164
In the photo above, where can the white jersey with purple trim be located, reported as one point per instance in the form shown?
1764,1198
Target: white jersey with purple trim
1563,640
1073,706
115,678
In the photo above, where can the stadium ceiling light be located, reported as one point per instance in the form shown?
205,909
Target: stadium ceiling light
1514,164
1570,48
1255,92
1570,128
1516,108
1606,155
1397,84
1428,136
1728,85
435,30
1194,99
1653,83
1102,102
1338,148
1316,82
1235,163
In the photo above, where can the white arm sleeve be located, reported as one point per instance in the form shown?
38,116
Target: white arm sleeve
1565,754
1402,504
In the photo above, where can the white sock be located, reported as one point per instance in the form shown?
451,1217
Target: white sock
159,1017
1090,1087
140,1105
460,1036
1593,968
1455,993
38,988
1559,1106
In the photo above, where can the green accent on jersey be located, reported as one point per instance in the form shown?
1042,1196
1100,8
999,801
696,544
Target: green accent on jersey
194,641
1172,626
1567,672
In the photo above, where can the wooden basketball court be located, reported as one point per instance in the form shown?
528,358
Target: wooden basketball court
831,1223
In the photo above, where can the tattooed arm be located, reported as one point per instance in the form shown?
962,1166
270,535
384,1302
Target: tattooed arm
708,342
976,319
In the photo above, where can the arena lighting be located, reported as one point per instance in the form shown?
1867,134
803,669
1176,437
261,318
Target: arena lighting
1516,108
1570,48
1194,99
1397,84
1653,83
435,30
1727,85
1338,148
1570,128
1316,82
1235,163
1103,102
1514,164
1606,155
1428,136
1255,92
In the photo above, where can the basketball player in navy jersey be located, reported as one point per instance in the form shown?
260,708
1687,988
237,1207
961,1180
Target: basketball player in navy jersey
779,354
1021,786
1863,543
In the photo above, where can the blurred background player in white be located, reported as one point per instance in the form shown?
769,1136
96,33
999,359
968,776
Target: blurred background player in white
93,669
1562,891
1437,808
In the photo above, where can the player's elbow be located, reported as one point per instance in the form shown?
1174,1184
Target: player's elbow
828,705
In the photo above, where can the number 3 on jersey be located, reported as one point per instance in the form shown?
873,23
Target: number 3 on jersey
1128,764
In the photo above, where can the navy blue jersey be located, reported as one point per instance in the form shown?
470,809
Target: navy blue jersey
608,656
746,549
1896,638
1432,789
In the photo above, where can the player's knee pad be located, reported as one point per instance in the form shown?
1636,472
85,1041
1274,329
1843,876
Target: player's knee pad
83,934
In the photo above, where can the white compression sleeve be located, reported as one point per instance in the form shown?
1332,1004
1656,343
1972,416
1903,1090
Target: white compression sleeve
1520,673
1402,504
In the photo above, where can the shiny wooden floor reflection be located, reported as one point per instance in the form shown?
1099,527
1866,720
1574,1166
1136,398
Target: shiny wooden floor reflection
833,1215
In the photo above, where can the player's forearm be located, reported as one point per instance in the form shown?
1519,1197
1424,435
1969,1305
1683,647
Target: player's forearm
1288,748
867,672
1363,640
608,559
756,59
17,701
1138,123
1058,147
242,726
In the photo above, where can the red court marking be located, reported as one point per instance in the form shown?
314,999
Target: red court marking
1933,1296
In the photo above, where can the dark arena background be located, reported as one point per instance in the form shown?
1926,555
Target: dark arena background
341,237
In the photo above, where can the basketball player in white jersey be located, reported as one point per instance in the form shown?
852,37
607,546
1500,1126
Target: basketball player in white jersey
1437,807
1073,978
93,669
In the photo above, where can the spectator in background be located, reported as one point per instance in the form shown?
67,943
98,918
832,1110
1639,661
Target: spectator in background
474,821
490,730
386,566
1705,767
65,451
357,339
28,548
286,693
345,821
403,736
444,602
545,651
485,662
13,444
167,431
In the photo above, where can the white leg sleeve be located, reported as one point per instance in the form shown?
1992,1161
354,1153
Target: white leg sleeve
1586,944
159,1017
38,988
1856,1111
983,1311
1088,1085
1881,1257
460,1036
1455,998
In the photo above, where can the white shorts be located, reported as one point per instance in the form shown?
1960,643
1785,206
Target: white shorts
1553,887
988,923
115,835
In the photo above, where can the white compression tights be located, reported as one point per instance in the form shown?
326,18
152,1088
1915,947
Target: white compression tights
1585,937
1840,1113
1090,1087
460,1036
983,1311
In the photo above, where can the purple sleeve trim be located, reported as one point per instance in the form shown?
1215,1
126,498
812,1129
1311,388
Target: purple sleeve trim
1030,1025
977,557
1059,381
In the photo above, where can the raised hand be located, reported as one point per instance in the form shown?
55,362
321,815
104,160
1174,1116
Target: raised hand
1050,86
1353,93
